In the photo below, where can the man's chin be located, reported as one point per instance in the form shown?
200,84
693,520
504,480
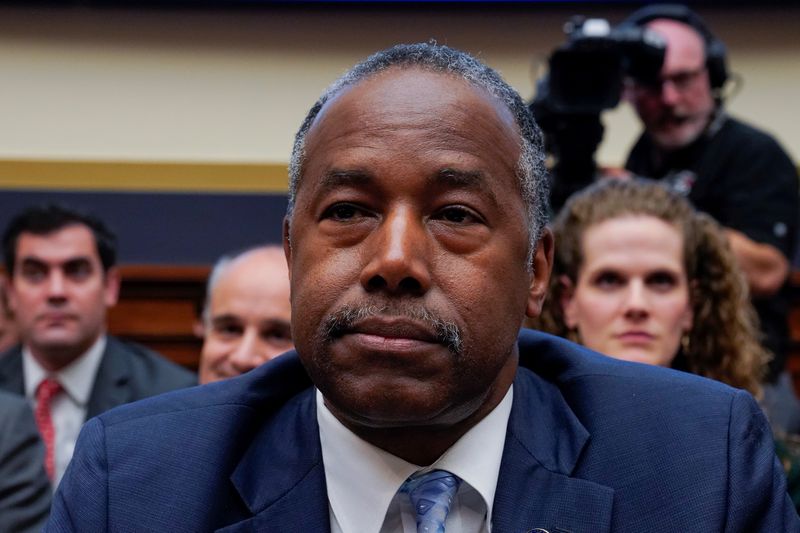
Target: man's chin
391,411
56,343
676,136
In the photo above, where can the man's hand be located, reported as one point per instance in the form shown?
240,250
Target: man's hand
763,265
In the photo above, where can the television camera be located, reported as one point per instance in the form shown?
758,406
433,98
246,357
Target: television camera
585,77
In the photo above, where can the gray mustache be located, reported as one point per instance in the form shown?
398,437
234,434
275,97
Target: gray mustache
342,320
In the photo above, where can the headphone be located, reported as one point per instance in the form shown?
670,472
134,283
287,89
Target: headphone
716,53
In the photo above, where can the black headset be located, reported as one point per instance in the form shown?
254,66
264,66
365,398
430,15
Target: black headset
716,53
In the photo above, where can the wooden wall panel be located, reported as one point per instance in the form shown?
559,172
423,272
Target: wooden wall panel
158,307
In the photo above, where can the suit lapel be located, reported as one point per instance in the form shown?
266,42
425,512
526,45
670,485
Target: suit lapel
11,378
543,444
111,385
281,478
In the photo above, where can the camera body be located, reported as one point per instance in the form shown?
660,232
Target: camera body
586,73
585,78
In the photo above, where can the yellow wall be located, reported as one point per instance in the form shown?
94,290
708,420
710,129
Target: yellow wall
232,87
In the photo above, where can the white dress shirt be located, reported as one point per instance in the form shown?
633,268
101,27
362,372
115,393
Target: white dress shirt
68,410
363,480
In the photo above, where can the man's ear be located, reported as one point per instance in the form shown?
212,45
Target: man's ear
287,245
199,328
112,283
567,301
542,265
11,293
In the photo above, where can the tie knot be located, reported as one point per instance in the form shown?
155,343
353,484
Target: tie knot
431,495
47,389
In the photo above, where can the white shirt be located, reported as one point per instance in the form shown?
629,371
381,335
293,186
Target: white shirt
363,479
68,410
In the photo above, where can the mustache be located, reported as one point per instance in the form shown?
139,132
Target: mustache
346,317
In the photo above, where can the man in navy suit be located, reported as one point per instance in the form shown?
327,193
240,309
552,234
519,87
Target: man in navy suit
416,242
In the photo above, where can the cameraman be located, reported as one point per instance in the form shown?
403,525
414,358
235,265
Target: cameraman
734,172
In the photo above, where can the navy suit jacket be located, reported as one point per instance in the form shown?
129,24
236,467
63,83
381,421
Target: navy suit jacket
593,445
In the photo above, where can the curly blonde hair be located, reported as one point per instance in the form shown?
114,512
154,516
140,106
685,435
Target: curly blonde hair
724,343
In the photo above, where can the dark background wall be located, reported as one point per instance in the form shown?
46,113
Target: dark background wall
169,228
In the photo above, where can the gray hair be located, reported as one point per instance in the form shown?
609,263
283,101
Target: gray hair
219,269
530,170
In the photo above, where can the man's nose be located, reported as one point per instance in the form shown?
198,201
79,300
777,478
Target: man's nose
637,305
669,93
398,262
246,356
56,286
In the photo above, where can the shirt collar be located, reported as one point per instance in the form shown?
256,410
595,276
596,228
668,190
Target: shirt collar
77,377
476,456
362,479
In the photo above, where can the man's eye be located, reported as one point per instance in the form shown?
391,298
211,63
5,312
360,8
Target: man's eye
78,271
228,330
342,212
278,337
457,215
33,274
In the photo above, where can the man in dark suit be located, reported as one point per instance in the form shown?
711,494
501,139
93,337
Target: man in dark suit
416,242
62,280
24,487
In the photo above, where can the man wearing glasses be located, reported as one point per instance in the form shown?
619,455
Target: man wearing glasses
734,172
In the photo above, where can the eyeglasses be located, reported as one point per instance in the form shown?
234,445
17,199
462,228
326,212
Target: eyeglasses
682,81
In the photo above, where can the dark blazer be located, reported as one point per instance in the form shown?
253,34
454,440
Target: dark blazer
593,445
127,372
24,485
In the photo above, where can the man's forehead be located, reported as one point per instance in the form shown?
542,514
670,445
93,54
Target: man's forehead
262,263
254,274
439,114
72,241
252,295
410,91
681,38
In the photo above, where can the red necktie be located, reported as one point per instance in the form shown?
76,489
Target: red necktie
45,392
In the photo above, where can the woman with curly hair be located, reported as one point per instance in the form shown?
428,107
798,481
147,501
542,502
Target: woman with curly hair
640,275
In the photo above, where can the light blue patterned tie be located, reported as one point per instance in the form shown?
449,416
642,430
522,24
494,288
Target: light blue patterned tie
431,495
